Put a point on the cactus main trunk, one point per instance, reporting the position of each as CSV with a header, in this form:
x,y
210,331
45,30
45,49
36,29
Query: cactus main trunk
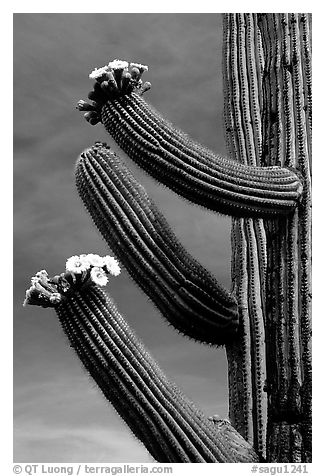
x,y
267,78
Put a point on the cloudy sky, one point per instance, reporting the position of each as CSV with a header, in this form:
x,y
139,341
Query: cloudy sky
x,y
59,414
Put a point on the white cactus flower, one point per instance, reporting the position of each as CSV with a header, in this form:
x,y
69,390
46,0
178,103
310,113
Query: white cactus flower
x,y
98,72
42,274
118,64
98,276
112,265
77,264
55,298
94,260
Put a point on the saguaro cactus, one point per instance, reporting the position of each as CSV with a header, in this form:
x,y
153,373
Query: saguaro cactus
x,y
264,321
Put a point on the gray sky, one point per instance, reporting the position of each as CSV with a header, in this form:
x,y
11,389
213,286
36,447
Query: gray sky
x,y
59,414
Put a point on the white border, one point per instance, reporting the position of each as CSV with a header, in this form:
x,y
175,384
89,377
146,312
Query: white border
x,y
6,33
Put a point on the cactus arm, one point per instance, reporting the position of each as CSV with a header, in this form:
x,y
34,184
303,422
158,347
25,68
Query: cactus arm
x,y
167,423
185,292
113,388
184,165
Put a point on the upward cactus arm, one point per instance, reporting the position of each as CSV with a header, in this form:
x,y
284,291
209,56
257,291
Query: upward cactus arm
x,y
184,165
167,423
185,292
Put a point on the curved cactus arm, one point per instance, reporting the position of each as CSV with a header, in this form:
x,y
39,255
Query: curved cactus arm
x,y
184,291
167,423
173,158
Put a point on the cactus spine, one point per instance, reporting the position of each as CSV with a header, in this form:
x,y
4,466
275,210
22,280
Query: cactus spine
x,y
166,422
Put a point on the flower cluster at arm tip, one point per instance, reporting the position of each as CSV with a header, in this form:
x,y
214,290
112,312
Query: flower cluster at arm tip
x,y
83,270
112,81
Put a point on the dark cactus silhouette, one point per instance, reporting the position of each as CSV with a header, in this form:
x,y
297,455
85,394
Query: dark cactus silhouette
x,y
265,321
